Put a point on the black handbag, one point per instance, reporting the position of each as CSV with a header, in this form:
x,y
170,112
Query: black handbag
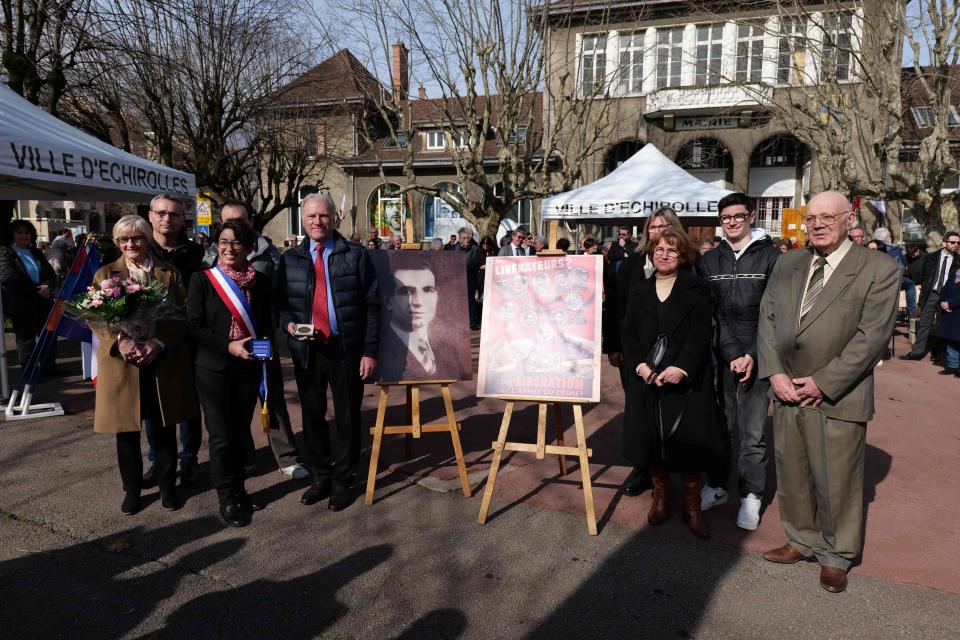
x,y
655,360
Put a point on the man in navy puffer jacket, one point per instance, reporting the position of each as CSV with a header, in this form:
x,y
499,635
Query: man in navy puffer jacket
x,y
331,284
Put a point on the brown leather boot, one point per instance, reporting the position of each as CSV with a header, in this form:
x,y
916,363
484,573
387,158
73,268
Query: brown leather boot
x,y
692,482
659,478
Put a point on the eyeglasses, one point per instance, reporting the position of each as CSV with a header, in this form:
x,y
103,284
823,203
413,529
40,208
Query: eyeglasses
x,y
739,217
951,242
131,240
660,251
229,244
166,214
657,227
825,218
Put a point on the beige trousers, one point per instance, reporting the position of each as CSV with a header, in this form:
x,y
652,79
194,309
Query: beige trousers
x,y
820,483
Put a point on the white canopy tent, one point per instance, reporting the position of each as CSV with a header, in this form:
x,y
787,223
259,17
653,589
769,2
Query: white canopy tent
x,y
645,182
44,158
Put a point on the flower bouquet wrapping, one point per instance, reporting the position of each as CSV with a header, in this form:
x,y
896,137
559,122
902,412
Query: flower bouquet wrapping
x,y
124,306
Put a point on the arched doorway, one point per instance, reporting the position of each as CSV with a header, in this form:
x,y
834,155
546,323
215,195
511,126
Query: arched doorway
x,y
620,153
776,169
708,159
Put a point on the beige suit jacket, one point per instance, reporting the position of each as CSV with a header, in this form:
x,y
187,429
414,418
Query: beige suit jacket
x,y
842,338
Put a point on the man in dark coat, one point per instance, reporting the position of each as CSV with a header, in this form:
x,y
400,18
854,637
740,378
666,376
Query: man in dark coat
x,y
936,268
330,285
738,271
171,245
264,259
474,260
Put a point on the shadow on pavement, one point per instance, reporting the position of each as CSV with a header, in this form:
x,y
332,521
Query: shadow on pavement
x,y
441,624
644,589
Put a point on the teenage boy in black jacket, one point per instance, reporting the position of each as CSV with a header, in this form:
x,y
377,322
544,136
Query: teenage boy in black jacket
x,y
738,270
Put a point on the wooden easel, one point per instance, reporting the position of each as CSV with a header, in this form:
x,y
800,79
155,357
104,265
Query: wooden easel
x,y
541,448
414,429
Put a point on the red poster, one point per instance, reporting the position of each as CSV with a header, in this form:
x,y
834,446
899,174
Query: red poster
x,y
540,339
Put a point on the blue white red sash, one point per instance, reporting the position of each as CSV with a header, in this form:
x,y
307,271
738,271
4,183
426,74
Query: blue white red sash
x,y
233,298
239,307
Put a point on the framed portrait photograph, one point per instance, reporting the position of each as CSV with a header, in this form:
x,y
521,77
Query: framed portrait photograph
x,y
424,325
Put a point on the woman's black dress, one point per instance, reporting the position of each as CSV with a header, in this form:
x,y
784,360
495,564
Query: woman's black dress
x,y
684,319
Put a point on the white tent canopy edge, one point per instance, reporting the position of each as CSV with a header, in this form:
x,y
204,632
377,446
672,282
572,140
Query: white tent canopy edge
x,y
44,158
647,181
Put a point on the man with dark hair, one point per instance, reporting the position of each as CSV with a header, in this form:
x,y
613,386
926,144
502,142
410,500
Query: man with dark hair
x,y
738,271
327,301
264,259
589,246
170,244
451,244
516,248
622,249
936,269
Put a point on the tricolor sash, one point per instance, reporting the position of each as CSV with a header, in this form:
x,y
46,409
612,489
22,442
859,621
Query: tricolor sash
x,y
239,307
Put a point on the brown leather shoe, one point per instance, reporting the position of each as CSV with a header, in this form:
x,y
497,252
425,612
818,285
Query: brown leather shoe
x,y
658,508
692,515
833,579
786,554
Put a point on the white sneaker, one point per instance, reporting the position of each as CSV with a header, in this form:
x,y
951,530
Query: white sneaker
x,y
295,471
749,515
712,497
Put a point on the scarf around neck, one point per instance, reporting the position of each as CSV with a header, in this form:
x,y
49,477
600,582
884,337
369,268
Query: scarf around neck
x,y
244,280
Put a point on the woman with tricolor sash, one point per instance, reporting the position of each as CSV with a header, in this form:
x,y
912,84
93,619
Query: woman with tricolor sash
x,y
228,311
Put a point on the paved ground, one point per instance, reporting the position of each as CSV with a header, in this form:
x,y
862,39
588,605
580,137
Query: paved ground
x,y
417,565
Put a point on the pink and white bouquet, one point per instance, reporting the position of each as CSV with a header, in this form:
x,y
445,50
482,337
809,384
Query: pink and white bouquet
x,y
122,306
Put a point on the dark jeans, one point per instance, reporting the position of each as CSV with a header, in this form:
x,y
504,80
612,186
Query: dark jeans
x,y
130,460
282,441
910,287
745,407
191,435
332,451
928,319
228,399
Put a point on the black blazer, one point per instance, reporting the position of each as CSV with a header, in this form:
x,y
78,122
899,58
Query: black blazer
x,y
929,265
20,291
209,320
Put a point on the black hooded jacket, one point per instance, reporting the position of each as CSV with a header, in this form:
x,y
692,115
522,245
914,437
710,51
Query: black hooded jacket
x,y
737,286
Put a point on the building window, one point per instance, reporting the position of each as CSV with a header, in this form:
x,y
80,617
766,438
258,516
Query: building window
x,y
669,57
704,153
521,212
294,224
631,63
709,53
316,138
779,151
792,53
593,64
460,138
434,140
440,220
838,45
386,212
401,141
770,214
621,152
519,135
750,51
926,117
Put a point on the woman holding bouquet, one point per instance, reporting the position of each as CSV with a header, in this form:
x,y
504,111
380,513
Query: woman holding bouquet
x,y
228,307
143,374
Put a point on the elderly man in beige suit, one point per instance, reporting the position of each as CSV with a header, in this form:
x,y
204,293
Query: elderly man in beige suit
x,y
825,320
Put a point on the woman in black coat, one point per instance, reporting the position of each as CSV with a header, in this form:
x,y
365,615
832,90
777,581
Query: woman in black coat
x,y
29,283
228,376
671,416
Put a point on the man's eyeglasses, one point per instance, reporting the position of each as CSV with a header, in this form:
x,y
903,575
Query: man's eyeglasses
x,y
951,242
131,240
166,214
739,217
826,218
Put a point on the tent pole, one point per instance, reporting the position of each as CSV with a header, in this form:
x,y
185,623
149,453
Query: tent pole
x,y
4,374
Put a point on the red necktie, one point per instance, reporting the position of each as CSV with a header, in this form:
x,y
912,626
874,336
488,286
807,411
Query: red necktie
x,y
321,315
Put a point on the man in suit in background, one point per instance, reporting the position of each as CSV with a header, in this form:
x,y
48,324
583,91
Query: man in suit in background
x,y
825,319
516,248
936,269
408,351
